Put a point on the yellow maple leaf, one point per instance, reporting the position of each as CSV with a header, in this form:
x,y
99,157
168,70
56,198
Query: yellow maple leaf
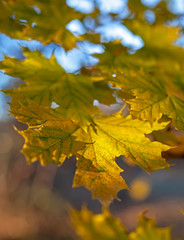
x,y
52,138
112,137
52,142
49,137
105,226
99,226
147,229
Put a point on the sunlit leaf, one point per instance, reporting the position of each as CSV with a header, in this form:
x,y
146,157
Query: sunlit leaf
x,y
159,9
46,20
105,226
153,75
99,227
8,24
113,137
147,229
119,135
49,137
149,80
47,82
102,178
52,142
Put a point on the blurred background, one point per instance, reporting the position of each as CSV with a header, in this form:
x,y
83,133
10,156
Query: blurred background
x,y
35,200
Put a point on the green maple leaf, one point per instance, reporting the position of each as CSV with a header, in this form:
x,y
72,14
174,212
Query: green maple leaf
x,y
47,82
47,24
155,86
138,10
8,24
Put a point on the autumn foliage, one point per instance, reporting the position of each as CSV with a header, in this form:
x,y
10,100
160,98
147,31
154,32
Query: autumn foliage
x,y
137,92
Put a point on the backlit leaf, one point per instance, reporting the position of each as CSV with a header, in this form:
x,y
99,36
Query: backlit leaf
x,y
7,22
105,226
150,81
49,137
147,229
52,142
46,20
113,137
153,75
158,9
99,227
117,135
47,82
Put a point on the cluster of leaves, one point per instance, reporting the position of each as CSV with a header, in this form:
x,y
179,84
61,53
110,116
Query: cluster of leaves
x,y
150,82
105,226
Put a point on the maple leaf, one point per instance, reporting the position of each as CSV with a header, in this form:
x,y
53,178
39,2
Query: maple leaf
x,y
117,135
160,10
99,226
8,24
32,114
52,142
47,82
156,87
151,82
46,20
147,229
112,137
105,226
49,137
102,179
154,37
